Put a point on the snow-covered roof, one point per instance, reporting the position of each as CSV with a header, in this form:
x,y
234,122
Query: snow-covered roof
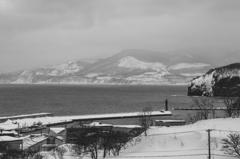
x,y
126,126
8,125
33,140
9,138
57,130
170,121
99,124
9,132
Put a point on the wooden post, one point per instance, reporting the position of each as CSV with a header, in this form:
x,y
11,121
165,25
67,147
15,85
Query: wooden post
x,y
166,105
18,130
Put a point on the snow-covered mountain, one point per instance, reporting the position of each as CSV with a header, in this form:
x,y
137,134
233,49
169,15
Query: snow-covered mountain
x,y
43,74
216,80
132,66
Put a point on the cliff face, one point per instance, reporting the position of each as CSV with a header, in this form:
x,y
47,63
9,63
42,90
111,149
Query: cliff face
x,y
217,82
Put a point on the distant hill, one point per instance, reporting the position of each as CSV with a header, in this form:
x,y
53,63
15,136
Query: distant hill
x,y
130,66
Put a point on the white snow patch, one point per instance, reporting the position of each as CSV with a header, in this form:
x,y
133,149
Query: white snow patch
x,y
91,75
207,80
191,74
188,65
131,62
66,68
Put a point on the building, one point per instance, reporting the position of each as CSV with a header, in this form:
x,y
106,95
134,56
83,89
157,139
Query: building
x,y
43,142
169,122
58,132
71,132
12,142
11,133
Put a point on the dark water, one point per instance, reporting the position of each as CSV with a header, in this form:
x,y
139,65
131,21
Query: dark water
x,y
87,99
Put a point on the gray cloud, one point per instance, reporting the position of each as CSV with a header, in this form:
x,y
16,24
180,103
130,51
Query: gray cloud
x,y
47,32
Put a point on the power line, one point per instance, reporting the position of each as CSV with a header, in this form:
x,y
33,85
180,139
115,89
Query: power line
x,y
226,155
225,130
166,151
183,132
160,156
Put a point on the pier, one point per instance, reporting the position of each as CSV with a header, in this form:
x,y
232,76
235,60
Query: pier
x,y
48,120
3,119
122,115
192,109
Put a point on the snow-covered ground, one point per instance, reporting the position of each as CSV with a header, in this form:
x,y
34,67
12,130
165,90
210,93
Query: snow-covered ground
x,y
180,142
184,142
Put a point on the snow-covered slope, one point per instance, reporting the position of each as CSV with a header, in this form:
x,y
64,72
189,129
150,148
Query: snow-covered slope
x,y
66,68
131,62
211,83
183,142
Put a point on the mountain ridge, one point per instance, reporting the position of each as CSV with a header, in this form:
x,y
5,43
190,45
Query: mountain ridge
x,y
129,66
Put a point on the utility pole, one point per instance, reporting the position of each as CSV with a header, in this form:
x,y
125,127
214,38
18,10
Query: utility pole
x,y
209,143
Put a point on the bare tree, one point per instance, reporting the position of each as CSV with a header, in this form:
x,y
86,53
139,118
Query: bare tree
x,y
3,147
92,140
38,156
59,152
230,96
145,119
30,153
88,141
78,150
232,105
7,152
231,145
117,141
194,117
204,105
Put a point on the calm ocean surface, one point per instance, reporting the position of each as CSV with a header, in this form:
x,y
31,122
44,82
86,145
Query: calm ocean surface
x,y
87,99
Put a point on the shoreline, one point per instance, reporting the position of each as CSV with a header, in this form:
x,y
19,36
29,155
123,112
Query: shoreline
x,y
97,84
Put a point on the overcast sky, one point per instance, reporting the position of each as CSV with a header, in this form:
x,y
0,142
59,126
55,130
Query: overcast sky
x,y
43,32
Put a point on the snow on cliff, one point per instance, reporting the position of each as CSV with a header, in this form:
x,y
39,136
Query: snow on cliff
x,y
216,79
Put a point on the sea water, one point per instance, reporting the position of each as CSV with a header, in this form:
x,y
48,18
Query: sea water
x,y
88,99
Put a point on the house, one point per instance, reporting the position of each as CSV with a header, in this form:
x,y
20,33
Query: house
x,y
71,132
42,142
127,128
11,133
58,132
12,142
169,122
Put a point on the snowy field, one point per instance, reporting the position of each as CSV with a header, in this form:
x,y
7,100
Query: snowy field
x,y
180,142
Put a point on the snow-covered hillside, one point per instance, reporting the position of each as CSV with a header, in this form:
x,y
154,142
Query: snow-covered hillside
x,y
66,68
131,62
184,142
